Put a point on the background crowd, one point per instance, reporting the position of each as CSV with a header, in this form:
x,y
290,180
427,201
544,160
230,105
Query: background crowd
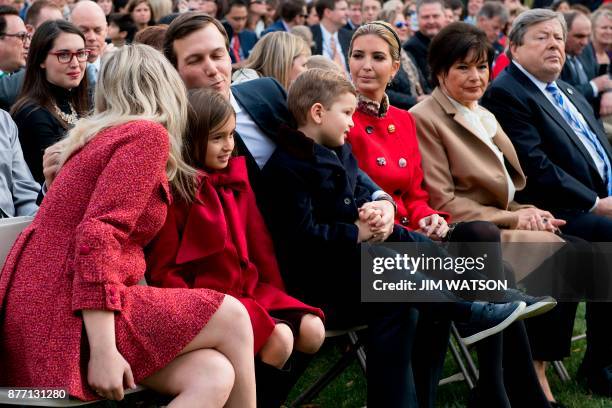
x,y
477,121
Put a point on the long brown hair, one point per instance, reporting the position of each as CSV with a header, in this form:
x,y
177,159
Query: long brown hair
x,y
209,111
36,89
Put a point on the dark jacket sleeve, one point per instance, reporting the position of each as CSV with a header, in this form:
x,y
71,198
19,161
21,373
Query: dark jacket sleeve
x,y
10,86
399,91
38,129
515,117
290,215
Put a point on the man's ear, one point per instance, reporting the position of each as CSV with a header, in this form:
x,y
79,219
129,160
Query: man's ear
x,y
29,28
317,111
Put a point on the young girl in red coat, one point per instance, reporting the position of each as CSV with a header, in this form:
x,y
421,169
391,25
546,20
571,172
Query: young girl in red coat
x,y
219,241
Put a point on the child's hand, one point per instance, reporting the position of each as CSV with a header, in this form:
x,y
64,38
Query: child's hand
x,y
365,233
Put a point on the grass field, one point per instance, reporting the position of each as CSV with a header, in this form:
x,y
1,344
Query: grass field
x,y
349,390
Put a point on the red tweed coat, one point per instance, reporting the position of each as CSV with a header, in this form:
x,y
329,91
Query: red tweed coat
x,y
84,250
221,242
387,149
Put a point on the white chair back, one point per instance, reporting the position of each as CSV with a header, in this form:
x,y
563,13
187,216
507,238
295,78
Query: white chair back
x,y
9,231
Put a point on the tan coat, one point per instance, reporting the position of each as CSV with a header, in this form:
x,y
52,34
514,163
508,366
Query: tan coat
x,y
463,175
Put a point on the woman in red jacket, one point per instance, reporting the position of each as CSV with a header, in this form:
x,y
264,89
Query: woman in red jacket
x,y
219,241
385,144
72,312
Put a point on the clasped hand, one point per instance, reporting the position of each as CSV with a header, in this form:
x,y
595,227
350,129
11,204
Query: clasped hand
x,y
375,222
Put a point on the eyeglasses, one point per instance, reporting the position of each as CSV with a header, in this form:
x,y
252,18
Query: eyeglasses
x,y
64,57
23,36
401,24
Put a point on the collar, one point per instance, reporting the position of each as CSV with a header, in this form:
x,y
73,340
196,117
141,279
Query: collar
x,y
234,103
326,34
299,145
287,28
373,108
541,85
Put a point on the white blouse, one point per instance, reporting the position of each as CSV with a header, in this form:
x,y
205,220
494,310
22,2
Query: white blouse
x,y
485,125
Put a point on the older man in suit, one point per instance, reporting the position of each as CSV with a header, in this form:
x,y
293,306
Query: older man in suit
x,y
566,157
580,68
18,190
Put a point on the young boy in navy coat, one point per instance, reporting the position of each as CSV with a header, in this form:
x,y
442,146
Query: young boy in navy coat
x,y
317,211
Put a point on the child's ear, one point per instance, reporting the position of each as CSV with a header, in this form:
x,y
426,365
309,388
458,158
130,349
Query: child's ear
x,y
316,113
123,34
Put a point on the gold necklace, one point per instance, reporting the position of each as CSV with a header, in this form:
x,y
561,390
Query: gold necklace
x,y
70,118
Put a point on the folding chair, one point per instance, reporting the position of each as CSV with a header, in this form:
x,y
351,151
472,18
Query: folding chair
x,y
134,395
559,367
463,358
355,350
10,228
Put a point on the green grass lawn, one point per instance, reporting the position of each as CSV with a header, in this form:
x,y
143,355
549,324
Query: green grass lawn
x,y
349,390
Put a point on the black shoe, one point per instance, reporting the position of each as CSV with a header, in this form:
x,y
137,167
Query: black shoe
x,y
598,381
555,404
535,305
488,319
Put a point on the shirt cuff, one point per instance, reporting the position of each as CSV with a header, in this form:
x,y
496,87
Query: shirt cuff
x,y
595,205
595,90
378,194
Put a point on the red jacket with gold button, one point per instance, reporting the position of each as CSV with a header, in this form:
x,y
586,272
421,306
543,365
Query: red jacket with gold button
x,y
387,150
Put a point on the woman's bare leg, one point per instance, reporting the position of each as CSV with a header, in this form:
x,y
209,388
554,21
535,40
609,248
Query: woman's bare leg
x,y
201,378
311,335
230,333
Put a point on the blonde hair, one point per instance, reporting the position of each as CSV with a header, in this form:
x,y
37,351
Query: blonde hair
x,y
160,8
383,30
136,82
273,55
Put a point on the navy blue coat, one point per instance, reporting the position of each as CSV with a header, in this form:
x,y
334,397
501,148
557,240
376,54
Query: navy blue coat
x,y
561,175
247,41
276,26
310,196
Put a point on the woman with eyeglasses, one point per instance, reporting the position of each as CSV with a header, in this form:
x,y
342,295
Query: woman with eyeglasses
x,y
406,89
54,93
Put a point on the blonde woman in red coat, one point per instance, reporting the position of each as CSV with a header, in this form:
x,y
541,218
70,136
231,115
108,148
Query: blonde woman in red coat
x,y
72,312
220,241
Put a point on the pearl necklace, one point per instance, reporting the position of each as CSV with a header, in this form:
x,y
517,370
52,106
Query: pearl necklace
x,y
71,118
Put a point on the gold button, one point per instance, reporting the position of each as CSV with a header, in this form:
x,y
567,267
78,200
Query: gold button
x,y
391,128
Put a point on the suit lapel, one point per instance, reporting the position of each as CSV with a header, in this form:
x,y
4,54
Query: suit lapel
x,y
551,111
585,111
500,140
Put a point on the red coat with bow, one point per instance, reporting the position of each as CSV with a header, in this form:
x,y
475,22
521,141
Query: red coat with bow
x,y
386,148
220,242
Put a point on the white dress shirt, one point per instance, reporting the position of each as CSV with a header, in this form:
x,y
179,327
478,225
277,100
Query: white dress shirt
x,y
327,50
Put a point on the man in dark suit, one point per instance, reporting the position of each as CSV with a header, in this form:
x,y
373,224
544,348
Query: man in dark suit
x,y
198,47
242,40
566,157
292,13
580,68
431,19
355,17
492,18
329,36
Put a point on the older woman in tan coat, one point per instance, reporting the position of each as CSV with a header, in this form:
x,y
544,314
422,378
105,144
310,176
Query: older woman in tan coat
x,y
471,170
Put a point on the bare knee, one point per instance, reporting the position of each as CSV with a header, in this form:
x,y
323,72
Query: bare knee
x,y
236,321
279,346
311,334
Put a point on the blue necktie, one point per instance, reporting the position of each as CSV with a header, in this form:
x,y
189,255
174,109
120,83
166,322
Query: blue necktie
x,y
585,131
